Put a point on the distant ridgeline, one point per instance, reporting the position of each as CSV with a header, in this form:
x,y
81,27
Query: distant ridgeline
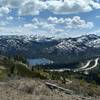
x,y
64,50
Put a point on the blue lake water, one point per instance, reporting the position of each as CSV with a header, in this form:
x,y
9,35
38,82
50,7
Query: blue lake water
x,y
40,61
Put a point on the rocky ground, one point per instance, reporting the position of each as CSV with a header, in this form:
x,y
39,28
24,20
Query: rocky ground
x,y
33,89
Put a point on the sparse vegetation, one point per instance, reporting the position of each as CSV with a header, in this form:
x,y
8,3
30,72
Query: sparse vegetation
x,y
81,83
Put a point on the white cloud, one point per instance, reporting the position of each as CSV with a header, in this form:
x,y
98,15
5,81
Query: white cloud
x,y
69,6
39,24
9,18
75,22
31,7
34,7
4,11
55,20
3,23
96,32
11,3
97,16
56,31
30,26
15,31
54,25
95,5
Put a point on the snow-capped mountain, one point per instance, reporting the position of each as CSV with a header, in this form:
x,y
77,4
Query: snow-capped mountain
x,y
81,43
59,50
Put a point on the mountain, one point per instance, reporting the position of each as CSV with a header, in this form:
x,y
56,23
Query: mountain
x,y
64,50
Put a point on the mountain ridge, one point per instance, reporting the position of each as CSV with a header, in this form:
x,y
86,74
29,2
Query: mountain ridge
x,y
59,50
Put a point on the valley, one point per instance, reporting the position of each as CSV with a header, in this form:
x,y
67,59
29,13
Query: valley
x,y
49,49
58,50
59,69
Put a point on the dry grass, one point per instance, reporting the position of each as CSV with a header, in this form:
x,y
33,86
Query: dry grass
x,y
28,89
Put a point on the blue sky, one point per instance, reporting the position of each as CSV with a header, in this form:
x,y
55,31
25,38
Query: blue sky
x,y
61,18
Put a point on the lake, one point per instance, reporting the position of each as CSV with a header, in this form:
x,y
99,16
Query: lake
x,y
40,61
